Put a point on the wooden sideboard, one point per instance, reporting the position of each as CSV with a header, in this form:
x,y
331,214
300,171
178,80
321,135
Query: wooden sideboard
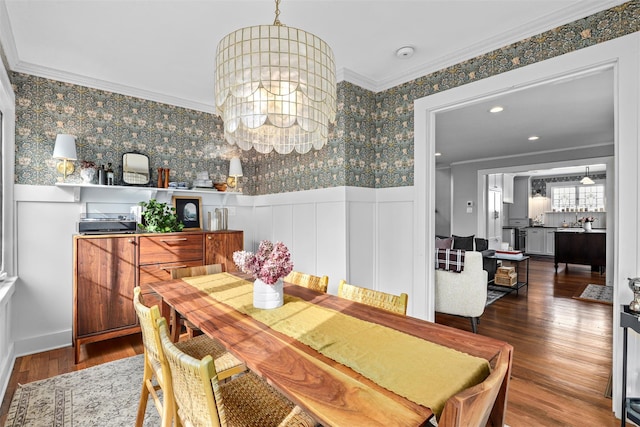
x,y
108,267
588,248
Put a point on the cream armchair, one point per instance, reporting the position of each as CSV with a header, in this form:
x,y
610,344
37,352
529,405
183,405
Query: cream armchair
x,y
463,294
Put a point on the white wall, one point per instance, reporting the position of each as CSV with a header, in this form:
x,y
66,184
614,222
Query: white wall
x,y
443,202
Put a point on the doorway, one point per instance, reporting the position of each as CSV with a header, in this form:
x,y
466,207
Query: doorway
x,y
621,54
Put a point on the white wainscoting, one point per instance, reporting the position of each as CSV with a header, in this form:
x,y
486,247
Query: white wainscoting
x,y
7,358
364,236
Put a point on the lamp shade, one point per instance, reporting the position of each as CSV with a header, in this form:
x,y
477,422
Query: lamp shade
x,y
586,180
235,167
65,147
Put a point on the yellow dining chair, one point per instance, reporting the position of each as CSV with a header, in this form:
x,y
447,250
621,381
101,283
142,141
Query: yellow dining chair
x,y
393,303
310,281
474,406
246,400
155,366
199,270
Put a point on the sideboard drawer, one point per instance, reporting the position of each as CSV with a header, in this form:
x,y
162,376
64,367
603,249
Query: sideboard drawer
x,y
173,247
162,271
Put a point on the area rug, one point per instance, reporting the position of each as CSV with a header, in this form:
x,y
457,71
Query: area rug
x,y
494,295
596,293
103,395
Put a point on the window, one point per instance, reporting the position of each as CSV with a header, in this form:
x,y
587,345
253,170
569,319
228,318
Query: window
x,y
578,198
563,198
591,198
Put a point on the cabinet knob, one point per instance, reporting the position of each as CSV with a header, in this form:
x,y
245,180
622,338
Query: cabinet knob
x,y
132,240
209,237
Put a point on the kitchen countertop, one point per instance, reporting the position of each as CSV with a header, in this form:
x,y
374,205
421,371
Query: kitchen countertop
x,y
580,230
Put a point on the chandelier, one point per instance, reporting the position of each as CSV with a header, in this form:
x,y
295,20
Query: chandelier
x,y
275,88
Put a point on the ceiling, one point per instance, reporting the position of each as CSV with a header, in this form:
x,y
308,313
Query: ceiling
x,y
573,113
163,50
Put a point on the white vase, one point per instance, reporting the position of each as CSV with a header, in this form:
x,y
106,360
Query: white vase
x,y
87,175
268,296
586,226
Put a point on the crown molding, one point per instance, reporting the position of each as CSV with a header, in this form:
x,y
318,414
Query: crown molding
x,y
531,153
77,79
344,74
547,22
7,42
567,15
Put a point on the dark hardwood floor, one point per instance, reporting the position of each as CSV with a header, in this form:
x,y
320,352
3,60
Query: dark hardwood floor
x,y
562,356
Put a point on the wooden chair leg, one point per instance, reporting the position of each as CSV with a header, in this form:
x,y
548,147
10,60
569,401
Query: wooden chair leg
x,y
144,395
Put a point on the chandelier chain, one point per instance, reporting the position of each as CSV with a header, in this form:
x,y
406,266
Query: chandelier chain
x,y
277,20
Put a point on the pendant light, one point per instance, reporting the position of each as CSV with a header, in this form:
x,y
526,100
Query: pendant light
x,y
586,180
275,88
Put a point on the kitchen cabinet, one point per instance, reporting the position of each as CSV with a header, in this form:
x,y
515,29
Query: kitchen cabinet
x,y
220,246
540,241
581,248
104,278
507,188
520,207
536,241
108,267
549,241
494,218
494,181
502,182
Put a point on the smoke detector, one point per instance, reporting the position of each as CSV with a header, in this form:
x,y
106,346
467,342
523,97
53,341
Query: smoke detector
x,y
405,52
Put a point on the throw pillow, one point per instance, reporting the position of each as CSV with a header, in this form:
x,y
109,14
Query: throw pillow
x,y
481,244
465,243
450,260
444,243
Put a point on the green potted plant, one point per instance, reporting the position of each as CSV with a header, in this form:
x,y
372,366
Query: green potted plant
x,y
158,217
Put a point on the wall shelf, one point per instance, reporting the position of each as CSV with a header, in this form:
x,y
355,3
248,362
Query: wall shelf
x,y
76,189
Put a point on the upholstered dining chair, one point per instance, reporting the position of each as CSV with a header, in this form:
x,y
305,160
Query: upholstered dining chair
x,y
156,367
310,281
246,400
393,303
474,406
198,270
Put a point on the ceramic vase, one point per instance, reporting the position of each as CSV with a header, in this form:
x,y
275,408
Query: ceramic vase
x,y
87,175
586,226
267,296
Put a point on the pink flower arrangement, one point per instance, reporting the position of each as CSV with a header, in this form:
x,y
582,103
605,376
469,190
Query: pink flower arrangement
x,y
586,219
270,263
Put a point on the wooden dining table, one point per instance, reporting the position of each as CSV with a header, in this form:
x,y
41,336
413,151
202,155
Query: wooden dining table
x,y
331,392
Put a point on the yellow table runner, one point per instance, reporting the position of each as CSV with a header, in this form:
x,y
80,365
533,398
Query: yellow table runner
x,y
421,371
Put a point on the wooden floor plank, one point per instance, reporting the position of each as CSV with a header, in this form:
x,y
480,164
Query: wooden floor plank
x,y
561,364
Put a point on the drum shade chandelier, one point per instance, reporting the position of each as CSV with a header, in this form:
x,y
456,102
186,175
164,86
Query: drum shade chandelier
x,y
275,88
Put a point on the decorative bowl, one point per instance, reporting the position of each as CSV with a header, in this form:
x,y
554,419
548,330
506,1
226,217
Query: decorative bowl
x,y
220,186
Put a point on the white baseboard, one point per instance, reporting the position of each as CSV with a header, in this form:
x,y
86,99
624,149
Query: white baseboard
x,y
43,343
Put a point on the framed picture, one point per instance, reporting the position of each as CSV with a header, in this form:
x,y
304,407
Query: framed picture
x,y
189,211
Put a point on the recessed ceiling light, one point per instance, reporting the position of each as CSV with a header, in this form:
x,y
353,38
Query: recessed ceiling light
x,y
533,138
496,109
438,154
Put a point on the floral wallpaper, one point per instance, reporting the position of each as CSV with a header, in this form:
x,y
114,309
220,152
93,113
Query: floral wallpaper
x,y
371,144
540,184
